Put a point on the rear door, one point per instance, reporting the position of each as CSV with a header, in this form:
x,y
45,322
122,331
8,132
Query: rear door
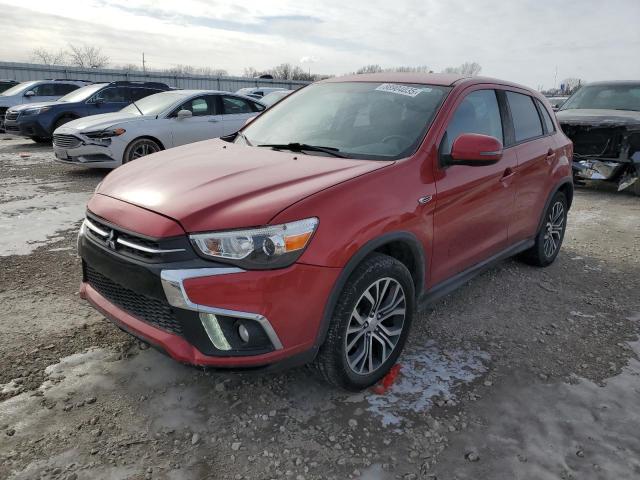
x,y
236,111
474,204
205,123
536,153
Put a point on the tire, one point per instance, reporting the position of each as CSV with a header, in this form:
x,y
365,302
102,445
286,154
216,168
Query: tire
x,y
549,238
61,121
635,188
42,140
351,335
140,147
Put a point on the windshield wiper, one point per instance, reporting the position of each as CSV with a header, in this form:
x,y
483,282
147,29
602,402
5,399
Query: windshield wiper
x,y
299,147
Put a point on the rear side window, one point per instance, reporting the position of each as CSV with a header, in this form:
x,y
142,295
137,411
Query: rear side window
x,y
478,113
548,123
233,105
526,121
64,88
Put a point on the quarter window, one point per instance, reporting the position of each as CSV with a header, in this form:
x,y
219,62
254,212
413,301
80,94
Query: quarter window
x,y
549,127
478,113
526,121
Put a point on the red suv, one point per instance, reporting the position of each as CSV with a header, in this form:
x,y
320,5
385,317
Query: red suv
x,y
316,232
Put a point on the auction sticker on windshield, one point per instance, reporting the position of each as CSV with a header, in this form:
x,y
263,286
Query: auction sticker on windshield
x,y
401,89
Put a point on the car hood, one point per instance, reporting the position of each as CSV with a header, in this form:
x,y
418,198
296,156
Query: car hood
x,y
596,117
216,185
100,122
25,106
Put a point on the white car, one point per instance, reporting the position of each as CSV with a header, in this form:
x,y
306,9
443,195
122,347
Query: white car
x,y
258,92
154,123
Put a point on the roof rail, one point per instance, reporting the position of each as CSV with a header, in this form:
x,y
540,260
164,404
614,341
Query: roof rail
x,y
134,83
67,80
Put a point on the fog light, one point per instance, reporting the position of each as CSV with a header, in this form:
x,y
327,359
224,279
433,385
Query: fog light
x,y
243,333
212,327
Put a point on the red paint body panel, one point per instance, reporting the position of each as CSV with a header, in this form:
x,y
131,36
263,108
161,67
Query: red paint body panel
x,y
216,185
292,299
133,218
460,215
174,345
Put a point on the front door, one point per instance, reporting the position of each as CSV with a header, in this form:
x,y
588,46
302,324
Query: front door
x,y
473,204
203,124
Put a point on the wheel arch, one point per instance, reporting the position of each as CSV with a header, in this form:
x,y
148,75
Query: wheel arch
x,y
566,187
403,246
148,137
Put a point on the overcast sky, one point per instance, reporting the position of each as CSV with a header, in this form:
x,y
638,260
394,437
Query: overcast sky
x,y
518,40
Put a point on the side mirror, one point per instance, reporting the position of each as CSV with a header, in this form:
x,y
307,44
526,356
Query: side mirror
x,y
182,114
249,120
475,150
29,93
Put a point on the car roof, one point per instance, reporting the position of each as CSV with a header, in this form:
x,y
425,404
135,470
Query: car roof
x,y
616,82
439,79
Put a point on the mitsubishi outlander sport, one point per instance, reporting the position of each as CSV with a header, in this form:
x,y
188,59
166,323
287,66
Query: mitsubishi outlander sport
x,y
315,233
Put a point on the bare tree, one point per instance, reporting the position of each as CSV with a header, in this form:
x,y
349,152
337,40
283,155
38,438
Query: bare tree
x,y
87,56
467,68
369,69
571,84
48,57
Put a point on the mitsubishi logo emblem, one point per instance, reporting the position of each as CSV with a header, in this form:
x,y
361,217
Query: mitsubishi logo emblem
x,y
111,240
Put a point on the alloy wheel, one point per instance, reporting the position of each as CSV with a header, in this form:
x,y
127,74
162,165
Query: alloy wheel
x,y
375,326
142,149
554,229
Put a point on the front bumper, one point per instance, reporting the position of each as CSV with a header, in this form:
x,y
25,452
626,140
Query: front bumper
x,y
75,150
25,127
185,305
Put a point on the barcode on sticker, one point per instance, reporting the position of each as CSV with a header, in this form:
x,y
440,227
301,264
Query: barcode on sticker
x,y
401,89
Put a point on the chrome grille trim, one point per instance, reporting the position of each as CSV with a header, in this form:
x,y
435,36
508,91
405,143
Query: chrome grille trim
x,y
66,141
142,248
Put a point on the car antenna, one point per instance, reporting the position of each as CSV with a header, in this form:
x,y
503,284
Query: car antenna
x,y
135,105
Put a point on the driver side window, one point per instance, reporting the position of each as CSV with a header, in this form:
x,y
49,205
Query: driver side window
x,y
478,113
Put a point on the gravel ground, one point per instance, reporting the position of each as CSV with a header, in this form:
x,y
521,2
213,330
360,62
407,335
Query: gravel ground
x,y
523,373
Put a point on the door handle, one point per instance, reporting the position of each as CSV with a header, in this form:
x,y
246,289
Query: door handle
x,y
551,156
213,120
507,177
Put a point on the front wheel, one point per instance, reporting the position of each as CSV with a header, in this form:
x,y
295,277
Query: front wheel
x,y
370,324
42,140
551,233
140,147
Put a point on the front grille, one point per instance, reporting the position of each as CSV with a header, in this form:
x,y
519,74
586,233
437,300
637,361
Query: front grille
x,y
11,115
149,309
124,236
66,141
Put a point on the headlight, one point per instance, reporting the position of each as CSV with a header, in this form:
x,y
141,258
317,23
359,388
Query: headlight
x,y
35,110
114,132
261,248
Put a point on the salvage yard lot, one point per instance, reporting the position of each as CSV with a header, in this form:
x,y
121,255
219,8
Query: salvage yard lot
x,y
523,373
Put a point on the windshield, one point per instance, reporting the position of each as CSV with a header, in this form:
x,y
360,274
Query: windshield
x,y
82,93
360,119
273,97
154,104
21,87
614,97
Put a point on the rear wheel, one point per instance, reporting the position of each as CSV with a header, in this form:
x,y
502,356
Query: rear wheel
x,y
549,238
370,324
140,147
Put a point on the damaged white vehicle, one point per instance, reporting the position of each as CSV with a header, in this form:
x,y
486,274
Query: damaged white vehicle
x,y
154,123
603,121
